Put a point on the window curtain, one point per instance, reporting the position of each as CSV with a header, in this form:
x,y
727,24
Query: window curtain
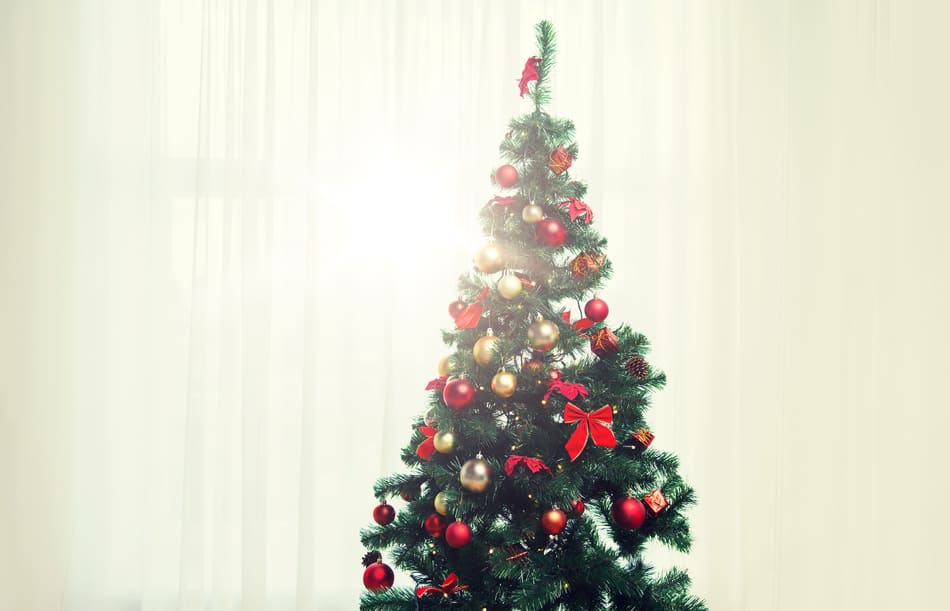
x,y
229,230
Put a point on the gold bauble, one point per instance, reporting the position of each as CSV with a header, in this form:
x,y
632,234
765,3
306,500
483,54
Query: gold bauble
x,y
440,504
504,384
488,260
484,349
475,474
543,335
532,213
444,441
443,367
509,286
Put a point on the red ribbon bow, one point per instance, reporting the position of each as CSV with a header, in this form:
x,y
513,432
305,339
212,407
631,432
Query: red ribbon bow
x,y
472,313
501,201
437,383
427,448
580,325
570,390
595,424
578,208
534,464
530,73
449,586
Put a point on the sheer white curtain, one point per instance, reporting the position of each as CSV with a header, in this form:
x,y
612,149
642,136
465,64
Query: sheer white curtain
x,y
229,231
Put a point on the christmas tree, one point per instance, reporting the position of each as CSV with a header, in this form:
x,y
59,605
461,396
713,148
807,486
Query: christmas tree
x,y
532,483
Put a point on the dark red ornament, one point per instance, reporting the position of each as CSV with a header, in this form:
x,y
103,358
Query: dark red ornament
x,y
559,160
384,513
378,576
578,506
603,342
553,521
551,231
506,176
596,309
655,502
628,513
409,494
458,534
458,393
435,525
456,308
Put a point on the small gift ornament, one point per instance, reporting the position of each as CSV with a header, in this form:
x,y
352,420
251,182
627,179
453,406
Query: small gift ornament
x,y
603,342
584,264
655,502
559,160
641,438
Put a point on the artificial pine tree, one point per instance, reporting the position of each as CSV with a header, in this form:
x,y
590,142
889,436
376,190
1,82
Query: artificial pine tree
x,y
532,483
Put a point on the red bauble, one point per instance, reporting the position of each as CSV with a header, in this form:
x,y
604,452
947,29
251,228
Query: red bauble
x,y
384,513
578,506
458,393
458,534
553,521
596,309
456,308
435,525
506,176
628,513
378,576
551,231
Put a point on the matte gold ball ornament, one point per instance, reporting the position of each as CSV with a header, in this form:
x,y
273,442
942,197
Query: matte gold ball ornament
x,y
485,348
509,286
443,367
476,474
532,213
543,335
488,259
444,442
504,384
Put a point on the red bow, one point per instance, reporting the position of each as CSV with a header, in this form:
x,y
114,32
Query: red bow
x,y
530,73
580,325
437,383
534,464
449,586
501,201
578,208
571,390
594,423
427,448
472,313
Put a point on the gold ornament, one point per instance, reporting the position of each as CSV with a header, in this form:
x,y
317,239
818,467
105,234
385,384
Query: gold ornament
x,y
443,367
509,286
532,213
444,442
543,334
504,384
475,474
440,504
484,349
488,260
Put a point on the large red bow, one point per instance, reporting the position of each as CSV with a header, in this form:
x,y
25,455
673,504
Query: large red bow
x,y
449,586
571,390
594,423
472,313
530,73
427,448
576,208
534,464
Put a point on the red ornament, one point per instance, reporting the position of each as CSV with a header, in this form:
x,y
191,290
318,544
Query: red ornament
x,y
553,521
456,308
384,513
593,425
426,449
655,502
554,375
642,438
458,534
586,263
535,465
449,586
551,231
603,343
576,209
596,309
506,176
559,160
378,576
409,494
435,525
578,506
469,317
528,73
458,393
628,513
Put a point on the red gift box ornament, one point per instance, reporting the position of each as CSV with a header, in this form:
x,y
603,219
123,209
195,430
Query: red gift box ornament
x,y
593,425
655,502
603,342
559,160
584,264
449,586
643,438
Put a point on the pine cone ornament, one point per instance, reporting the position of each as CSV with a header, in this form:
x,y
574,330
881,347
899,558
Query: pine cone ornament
x,y
637,367
371,557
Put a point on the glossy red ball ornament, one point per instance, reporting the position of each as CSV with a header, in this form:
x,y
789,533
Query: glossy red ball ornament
x,y
578,506
458,534
458,393
456,308
378,576
628,513
506,176
384,514
435,525
553,521
596,309
551,231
